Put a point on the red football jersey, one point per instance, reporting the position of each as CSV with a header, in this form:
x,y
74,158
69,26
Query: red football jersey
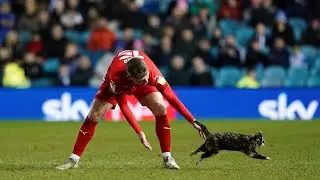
x,y
117,78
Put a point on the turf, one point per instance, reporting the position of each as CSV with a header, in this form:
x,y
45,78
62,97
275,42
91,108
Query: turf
x,y
31,150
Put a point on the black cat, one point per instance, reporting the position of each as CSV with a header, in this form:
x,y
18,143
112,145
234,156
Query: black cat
x,y
215,142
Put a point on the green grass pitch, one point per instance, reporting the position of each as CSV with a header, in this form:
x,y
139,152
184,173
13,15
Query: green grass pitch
x,y
31,150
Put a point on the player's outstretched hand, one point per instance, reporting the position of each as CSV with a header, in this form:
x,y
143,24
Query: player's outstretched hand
x,y
196,126
144,141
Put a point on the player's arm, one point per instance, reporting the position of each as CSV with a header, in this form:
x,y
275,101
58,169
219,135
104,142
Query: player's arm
x,y
127,113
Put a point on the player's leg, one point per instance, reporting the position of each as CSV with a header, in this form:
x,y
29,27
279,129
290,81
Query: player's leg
x,y
150,97
103,102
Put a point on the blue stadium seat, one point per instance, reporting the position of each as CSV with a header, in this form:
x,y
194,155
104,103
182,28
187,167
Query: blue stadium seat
x,y
295,82
72,36
228,26
228,76
244,35
298,25
314,81
164,71
51,65
84,37
44,82
214,73
310,52
214,51
277,72
95,56
24,36
298,73
271,82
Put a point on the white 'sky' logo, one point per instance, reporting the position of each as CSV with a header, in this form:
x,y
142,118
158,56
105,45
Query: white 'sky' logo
x,y
65,109
280,109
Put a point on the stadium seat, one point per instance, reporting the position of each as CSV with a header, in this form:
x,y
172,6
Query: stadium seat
x,y
244,35
314,81
51,65
214,51
24,36
295,82
228,26
72,36
84,37
271,82
275,72
298,73
164,71
44,82
214,73
95,56
228,76
298,25
310,52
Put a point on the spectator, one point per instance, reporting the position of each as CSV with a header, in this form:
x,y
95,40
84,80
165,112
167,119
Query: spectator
x,y
185,45
255,56
217,37
230,9
229,54
83,72
7,19
199,28
58,10
297,58
178,19
71,57
279,54
300,8
100,69
44,25
93,16
72,20
153,27
178,76
262,12
197,5
147,43
32,66
64,76
5,57
12,42
14,76
35,45
260,35
200,75
126,42
162,53
249,80
203,51
282,30
169,31
56,45
29,20
311,36
101,38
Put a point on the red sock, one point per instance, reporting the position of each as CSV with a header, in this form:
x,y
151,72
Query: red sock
x,y
85,135
163,132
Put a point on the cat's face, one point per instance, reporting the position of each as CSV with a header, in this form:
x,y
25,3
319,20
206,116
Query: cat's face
x,y
258,138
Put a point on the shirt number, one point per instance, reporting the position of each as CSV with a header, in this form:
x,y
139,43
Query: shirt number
x,y
126,55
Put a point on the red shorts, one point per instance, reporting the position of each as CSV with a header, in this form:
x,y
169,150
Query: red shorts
x,y
104,94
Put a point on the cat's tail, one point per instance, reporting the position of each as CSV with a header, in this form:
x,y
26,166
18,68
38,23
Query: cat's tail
x,y
204,128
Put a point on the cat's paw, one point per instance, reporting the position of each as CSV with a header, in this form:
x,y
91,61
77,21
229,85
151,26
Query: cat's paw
x,y
267,158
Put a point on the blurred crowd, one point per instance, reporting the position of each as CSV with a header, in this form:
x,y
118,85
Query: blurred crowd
x,y
220,43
